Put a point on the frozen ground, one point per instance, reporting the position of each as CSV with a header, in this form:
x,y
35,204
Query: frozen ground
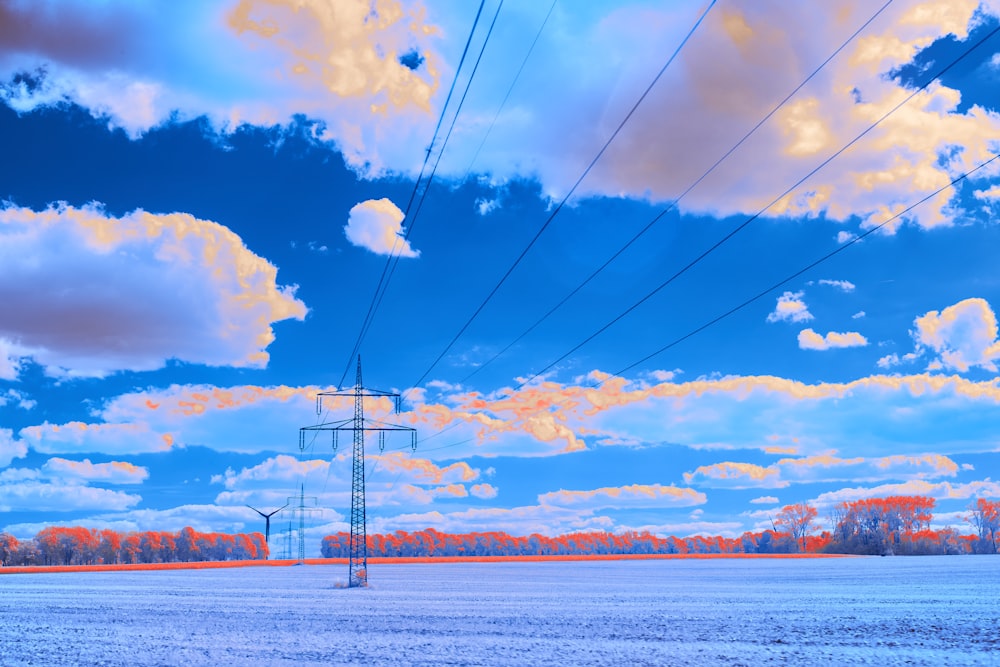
x,y
877,611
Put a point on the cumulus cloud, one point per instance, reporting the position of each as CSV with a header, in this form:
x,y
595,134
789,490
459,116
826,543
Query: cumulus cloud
x,y
633,495
962,336
344,67
810,340
375,225
10,448
258,62
764,500
483,490
51,490
113,472
821,468
890,360
736,475
79,437
523,520
843,285
938,490
790,308
131,292
18,398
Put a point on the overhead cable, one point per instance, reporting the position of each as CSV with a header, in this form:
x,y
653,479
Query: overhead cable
x,y
759,213
569,194
673,204
382,279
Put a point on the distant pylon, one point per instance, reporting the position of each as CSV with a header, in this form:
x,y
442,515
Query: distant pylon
x,y
357,568
302,509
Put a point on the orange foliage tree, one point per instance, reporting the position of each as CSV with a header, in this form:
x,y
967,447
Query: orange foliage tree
x,y
76,545
796,520
985,517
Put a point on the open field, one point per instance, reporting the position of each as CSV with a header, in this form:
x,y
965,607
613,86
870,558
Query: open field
x,y
208,565
879,611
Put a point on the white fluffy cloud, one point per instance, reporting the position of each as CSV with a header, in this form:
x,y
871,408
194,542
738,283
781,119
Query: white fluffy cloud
x,y
843,285
49,490
821,468
113,472
129,293
258,62
375,225
962,336
633,495
938,490
790,308
340,64
10,448
810,340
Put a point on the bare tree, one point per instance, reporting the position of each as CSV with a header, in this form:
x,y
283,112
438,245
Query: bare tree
x,y
985,517
796,520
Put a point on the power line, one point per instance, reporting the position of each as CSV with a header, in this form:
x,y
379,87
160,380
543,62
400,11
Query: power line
x,y
677,201
382,279
569,194
427,185
759,213
513,83
798,273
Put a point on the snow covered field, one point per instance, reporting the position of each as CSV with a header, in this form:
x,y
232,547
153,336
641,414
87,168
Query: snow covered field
x,y
878,611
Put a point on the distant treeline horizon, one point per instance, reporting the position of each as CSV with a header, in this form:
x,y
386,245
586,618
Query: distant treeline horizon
x,y
872,526
75,545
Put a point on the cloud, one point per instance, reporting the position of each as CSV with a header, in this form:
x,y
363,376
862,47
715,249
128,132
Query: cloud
x,y
340,66
810,340
79,437
821,468
258,62
375,225
938,490
44,491
843,285
990,194
524,520
858,315
790,308
129,293
963,335
113,472
14,396
634,495
484,491
736,476
10,360
765,500
424,471
10,448
890,360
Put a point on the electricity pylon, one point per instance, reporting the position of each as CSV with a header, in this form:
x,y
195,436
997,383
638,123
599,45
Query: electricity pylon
x,y
357,565
302,509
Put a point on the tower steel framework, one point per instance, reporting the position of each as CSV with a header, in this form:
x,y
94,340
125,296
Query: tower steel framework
x,y
358,547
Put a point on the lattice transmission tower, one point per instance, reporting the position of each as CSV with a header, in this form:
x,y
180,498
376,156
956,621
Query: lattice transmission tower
x,y
357,574
306,505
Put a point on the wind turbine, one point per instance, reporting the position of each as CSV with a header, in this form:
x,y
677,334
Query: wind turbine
x,y
267,524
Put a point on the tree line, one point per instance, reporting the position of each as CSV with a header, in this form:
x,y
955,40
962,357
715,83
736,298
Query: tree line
x,y
85,546
893,525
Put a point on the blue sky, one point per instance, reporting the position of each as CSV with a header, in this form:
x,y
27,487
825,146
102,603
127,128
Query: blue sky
x,y
200,199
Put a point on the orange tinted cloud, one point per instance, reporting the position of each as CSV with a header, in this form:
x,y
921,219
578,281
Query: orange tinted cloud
x,y
424,471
